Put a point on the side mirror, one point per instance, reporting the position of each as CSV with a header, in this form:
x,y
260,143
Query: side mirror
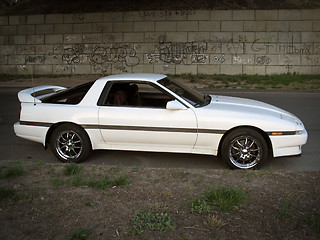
x,y
175,105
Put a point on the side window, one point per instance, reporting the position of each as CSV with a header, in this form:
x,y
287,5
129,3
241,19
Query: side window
x,y
70,96
137,94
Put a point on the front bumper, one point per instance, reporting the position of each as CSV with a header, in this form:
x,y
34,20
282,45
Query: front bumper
x,y
289,145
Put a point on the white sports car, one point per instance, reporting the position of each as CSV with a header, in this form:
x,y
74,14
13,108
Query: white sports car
x,y
150,112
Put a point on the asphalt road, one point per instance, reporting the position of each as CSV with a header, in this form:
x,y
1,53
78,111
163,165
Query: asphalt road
x,y
305,105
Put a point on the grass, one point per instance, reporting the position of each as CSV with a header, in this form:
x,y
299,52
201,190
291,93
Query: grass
x,y
285,211
281,81
313,220
225,198
12,171
145,220
213,222
72,169
103,183
200,206
172,210
76,179
6,194
79,234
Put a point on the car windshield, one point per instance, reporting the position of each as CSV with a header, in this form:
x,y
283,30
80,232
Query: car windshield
x,y
192,96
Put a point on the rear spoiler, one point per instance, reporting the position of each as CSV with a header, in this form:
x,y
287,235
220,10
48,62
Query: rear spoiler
x,y
34,95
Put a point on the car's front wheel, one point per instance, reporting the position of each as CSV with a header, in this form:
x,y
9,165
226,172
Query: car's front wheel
x,y
70,143
244,149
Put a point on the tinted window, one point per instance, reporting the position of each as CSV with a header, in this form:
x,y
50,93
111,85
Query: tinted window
x,y
69,96
136,94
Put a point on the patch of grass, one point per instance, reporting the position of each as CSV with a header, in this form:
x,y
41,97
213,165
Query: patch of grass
x,y
79,234
6,194
285,211
313,221
105,182
89,204
12,171
213,222
182,175
144,220
159,207
225,198
72,169
285,81
78,181
57,182
115,168
99,183
200,206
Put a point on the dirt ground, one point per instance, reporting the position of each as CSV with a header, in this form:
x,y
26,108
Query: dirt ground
x,y
47,204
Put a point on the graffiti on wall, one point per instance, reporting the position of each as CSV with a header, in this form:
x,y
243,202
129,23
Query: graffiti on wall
x,y
179,53
103,56
239,50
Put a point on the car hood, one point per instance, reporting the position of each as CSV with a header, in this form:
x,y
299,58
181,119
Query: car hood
x,y
249,104
242,108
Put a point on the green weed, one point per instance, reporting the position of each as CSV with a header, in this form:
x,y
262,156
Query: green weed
x,y
313,221
104,183
213,222
77,181
90,204
72,169
225,198
57,182
144,220
79,234
200,206
182,175
285,211
120,181
6,194
13,171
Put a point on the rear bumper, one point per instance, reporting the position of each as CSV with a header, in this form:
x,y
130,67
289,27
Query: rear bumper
x,y
32,133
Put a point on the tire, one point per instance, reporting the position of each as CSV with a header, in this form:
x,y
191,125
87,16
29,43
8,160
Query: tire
x,y
70,143
244,149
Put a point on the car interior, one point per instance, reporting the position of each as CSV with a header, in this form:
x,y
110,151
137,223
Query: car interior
x,y
137,94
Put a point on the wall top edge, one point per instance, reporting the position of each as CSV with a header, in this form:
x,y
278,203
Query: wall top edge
x,y
277,14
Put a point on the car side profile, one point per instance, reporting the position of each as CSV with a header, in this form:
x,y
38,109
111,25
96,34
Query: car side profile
x,y
151,112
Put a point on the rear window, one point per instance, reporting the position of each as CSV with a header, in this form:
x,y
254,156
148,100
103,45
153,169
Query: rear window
x,y
69,96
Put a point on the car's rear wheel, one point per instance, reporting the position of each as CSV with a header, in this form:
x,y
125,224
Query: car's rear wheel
x,y
244,149
70,143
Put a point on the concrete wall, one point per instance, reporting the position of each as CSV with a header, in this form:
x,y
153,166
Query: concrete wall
x,y
170,42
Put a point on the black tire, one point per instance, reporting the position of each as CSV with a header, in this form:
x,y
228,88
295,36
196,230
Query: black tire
x,y
244,149
70,143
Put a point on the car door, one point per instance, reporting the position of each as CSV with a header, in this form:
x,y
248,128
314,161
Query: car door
x,y
145,123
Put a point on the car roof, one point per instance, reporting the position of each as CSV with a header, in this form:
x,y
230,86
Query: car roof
x,y
153,77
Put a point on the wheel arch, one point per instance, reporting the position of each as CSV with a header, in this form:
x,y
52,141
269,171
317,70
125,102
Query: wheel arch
x,y
263,133
56,125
